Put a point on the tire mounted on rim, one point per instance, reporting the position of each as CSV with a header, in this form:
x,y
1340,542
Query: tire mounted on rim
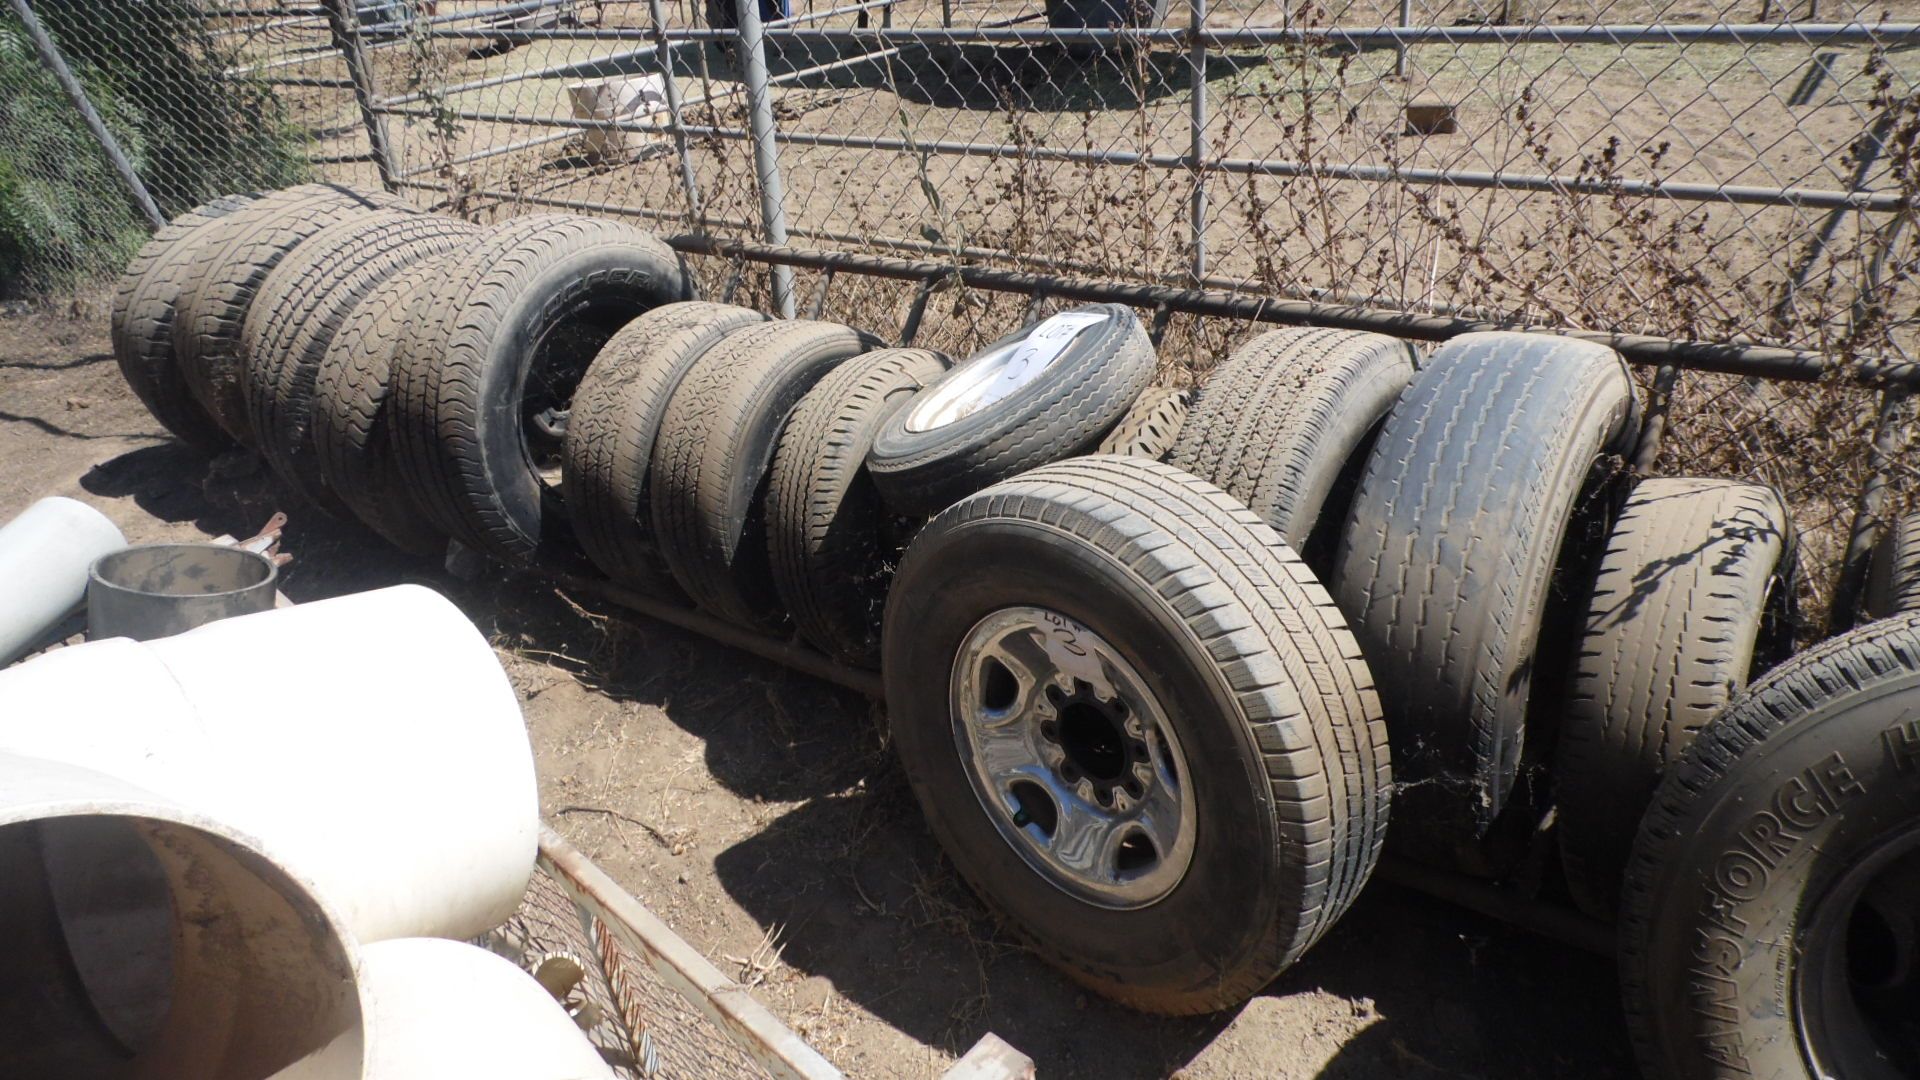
x,y
1156,750
1046,393
1771,913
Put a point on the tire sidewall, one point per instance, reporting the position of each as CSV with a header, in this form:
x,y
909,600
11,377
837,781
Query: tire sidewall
x,y
1234,892
898,449
605,273
1720,944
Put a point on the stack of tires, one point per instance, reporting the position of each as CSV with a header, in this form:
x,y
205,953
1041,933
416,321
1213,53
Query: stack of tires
x,y
1143,653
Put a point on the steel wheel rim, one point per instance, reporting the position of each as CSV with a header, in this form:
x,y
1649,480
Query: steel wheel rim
x,y
1859,977
1072,758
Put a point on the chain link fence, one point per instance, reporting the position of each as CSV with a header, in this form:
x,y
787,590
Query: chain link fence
x,y
1723,190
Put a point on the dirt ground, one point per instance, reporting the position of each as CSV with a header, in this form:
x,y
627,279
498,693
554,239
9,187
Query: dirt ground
x,y
761,814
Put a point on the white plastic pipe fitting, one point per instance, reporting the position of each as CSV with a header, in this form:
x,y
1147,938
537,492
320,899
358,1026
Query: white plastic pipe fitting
x,y
444,1010
44,556
221,963
371,740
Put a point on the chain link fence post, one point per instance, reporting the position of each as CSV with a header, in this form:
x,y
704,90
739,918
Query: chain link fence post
x,y
343,24
1197,119
752,37
50,55
671,87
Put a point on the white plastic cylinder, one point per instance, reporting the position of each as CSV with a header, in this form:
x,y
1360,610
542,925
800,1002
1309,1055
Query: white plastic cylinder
x,y
372,740
444,1010
214,960
44,555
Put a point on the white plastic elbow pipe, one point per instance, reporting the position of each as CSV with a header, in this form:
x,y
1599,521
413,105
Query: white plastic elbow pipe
x,y
214,960
445,1010
371,740
44,555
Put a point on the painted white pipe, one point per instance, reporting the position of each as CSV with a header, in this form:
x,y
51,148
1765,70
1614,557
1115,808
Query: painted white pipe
x,y
372,740
254,968
44,555
445,1010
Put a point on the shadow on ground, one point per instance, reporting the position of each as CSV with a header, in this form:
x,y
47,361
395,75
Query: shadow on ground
x,y
856,888
867,901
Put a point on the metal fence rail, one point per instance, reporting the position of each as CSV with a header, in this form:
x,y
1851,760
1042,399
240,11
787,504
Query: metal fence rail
x,y
1723,194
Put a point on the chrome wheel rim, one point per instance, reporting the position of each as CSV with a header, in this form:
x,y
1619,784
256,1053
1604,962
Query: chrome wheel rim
x,y
1072,758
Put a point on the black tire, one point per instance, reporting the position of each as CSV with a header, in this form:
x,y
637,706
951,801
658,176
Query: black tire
x,y
1102,15
1694,597
241,250
1064,411
1151,427
1750,942
1447,565
500,344
301,306
146,302
827,535
713,452
1285,425
1263,688
1893,580
352,417
610,435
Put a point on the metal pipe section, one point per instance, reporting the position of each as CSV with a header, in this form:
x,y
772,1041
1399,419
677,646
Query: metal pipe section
x,y
1246,299
1197,148
775,649
766,156
1811,34
1766,361
1680,191
524,7
1889,437
110,146
343,23
1851,33
571,69
688,181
